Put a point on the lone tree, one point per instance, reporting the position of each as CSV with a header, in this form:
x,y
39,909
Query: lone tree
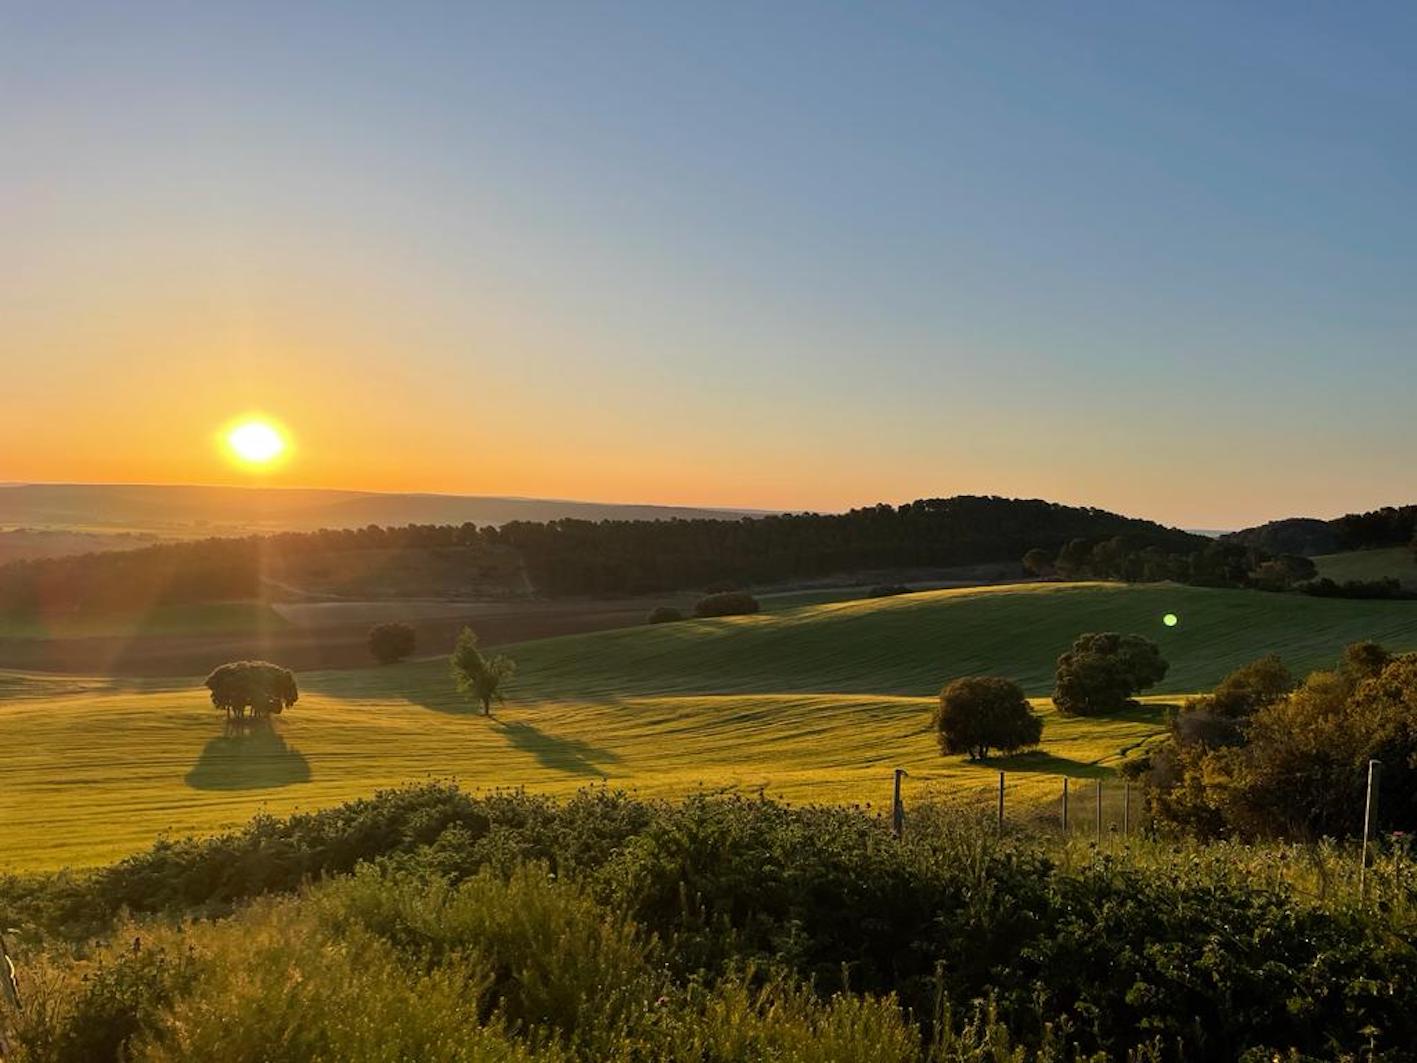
x,y
265,689
391,642
980,713
480,678
1102,672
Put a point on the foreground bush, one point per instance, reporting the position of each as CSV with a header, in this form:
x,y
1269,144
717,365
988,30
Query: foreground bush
x,y
1259,760
406,967
717,928
726,603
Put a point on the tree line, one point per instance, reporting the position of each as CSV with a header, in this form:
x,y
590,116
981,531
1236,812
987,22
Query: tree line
x,y
573,557
615,557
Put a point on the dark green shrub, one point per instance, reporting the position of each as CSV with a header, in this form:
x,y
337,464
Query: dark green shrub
x,y
726,603
887,590
665,614
392,642
1102,671
979,713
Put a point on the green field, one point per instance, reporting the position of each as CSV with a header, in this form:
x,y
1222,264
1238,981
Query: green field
x,y
1396,561
815,703
214,617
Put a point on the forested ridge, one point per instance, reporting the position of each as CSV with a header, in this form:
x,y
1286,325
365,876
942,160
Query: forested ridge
x,y
571,556
1371,530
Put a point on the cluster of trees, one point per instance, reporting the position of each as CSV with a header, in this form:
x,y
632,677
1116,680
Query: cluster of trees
x,y
1266,756
1216,563
1100,674
259,688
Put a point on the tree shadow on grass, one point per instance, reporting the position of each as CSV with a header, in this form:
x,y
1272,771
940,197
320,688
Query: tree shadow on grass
x,y
256,757
1038,762
569,755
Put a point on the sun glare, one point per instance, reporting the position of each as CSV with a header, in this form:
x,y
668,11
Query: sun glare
x,y
255,442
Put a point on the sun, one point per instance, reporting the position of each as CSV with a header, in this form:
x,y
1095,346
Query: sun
x,y
255,442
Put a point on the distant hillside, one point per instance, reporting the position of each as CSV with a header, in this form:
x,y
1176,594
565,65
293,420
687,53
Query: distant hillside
x,y
96,514
1375,529
1307,536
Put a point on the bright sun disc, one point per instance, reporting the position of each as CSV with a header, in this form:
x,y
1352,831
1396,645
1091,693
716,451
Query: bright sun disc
x,y
255,441
1170,619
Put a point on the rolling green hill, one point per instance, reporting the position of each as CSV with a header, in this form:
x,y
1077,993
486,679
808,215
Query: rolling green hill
x,y
1394,561
814,703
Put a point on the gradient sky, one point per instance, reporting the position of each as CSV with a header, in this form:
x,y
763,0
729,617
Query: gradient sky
x,y
1154,257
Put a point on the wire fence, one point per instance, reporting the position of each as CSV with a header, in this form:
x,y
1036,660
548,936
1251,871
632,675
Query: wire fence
x,y
1071,806
1093,808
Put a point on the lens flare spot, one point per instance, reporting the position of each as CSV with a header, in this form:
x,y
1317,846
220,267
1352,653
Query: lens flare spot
x,y
1170,619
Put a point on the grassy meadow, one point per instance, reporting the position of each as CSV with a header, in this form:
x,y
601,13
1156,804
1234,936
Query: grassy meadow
x,y
814,703
1395,562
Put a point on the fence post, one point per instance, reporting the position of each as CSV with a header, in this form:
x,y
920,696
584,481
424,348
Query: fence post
x,y
897,807
1099,811
1370,819
1065,806
9,985
1001,802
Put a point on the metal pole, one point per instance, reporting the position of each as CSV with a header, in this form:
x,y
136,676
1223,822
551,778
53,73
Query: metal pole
x,y
1370,820
1001,802
1099,811
1065,805
897,807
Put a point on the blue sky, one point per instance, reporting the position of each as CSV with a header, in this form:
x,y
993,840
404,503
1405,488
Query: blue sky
x,y
1158,258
